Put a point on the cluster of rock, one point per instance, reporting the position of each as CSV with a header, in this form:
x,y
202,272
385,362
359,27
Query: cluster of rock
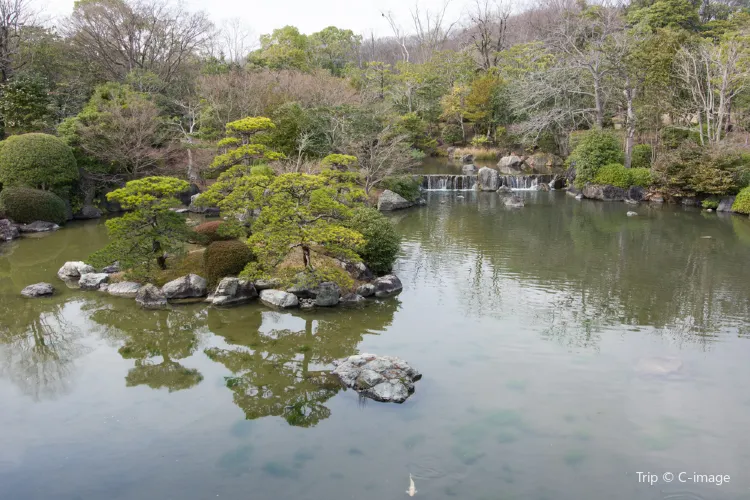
x,y
10,230
382,378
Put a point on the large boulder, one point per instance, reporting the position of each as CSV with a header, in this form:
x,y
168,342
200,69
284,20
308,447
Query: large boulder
x,y
127,289
352,299
635,194
557,182
231,291
8,230
196,209
383,378
88,212
186,197
279,298
387,286
366,290
187,287
725,204
358,270
510,165
603,192
150,297
543,163
392,201
488,179
267,284
38,290
39,226
73,270
92,281
328,294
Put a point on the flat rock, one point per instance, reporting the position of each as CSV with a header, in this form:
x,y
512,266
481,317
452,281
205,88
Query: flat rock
x,y
389,201
279,298
266,284
151,297
186,287
232,291
72,270
92,281
387,286
8,230
382,378
127,289
38,290
39,226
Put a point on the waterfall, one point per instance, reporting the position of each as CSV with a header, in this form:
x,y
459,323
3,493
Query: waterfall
x,y
449,182
525,182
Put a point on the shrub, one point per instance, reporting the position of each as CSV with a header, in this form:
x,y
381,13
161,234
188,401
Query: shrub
x,y
594,150
208,232
641,156
479,140
741,203
640,177
692,169
673,137
382,241
225,258
262,170
711,203
452,134
37,160
406,186
338,160
27,205
311,278
613,174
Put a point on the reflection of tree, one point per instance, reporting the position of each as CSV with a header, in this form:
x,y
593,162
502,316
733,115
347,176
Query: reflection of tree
x,y
37,346
283,371
150,335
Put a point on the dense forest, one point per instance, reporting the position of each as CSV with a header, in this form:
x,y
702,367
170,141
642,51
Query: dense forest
x,y
145,87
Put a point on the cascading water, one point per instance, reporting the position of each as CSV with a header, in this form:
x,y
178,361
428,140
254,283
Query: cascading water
x,y
525,182
449,182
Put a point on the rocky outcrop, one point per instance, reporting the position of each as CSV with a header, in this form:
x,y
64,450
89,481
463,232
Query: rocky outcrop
x,y
488,179
635,194
186,197
73,270
603,192
266,284
279,299
725,204
544,163
127,289
88,212
8,230
366,290
327,295
542,187
92,281
39,226
513,201
38,290
389,201
232,291
382,378
352,299
504,189
510,165
358,270
150,297
557,182
187,287
387,286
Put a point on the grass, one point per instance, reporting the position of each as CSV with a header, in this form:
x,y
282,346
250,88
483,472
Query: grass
x,y
191,262
479,153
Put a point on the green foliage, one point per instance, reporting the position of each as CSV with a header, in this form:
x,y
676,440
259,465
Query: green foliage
x,y
595,149
710,203
249,125
142,238
641,156
208,232
38,161
338,160
741,203
416,132
310,278
404,185
25,104
240,132
640,177
673,14
613,174
691,169
673,137
225,258
479,140
264,170
27,205
452,134
382,241
333,47
285,48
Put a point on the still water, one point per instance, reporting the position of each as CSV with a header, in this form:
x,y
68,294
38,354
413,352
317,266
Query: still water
x,y
564,346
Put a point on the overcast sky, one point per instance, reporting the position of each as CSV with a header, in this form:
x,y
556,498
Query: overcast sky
x,y
263,16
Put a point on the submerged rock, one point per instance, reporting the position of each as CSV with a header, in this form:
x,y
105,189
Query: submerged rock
x,y
73,270
279,298
151,297
658,366
92,281
328,294
8,230
127,289
382,378
488,179
39,226
352,299
190,286
513,201
387,286
392,201
632,214
233,291
366,290
38,290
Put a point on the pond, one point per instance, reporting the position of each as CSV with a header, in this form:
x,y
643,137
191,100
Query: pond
x,y
565,347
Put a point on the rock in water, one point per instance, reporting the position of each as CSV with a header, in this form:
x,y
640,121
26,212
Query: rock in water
x,y
510,164
725,204
92,281
603,192
150,297
38,290
382,378
387,286
513,201
352,299
187,287
366,290
632,214
279,298
488,179
504,189
659,366
469,169
465,159
8,231
328,294
73,270
39,226
88,212
127,289
392,201
635,194
233,291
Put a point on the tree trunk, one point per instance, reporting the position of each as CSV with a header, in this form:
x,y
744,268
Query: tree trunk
x,y
631,122
599,103
192,174
306,256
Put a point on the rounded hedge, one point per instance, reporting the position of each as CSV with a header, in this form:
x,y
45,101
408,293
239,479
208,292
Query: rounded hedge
x,y
382,240
741,203
26,205
640,177
613,174
641,156
595,149
225,258
405,186
38,161
208,232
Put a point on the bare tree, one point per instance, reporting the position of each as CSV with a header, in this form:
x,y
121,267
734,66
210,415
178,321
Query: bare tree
x,y
237,40
15,15
489,30
432,30
399,33
381,155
